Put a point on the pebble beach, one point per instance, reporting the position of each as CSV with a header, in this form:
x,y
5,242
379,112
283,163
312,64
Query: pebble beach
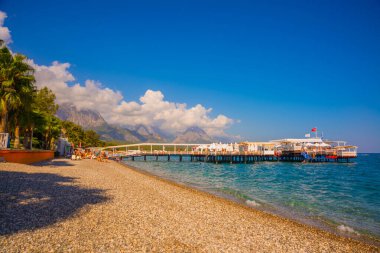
x,y
90,206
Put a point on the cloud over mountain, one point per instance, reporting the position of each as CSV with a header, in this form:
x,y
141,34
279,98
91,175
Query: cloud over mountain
x,y
152,109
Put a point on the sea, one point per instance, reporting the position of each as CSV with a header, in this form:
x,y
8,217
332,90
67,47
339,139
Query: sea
x,y
343,198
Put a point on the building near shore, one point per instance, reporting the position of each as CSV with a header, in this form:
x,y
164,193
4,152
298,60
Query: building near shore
x,y
218,147
298,145
258,147
290,146
315,146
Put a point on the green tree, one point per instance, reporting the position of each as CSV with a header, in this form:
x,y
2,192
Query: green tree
x,y
32,120
73,132
26,91
44,106
77,135
16,80
92,139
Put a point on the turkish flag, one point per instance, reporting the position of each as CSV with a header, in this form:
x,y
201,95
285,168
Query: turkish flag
x,y
314,129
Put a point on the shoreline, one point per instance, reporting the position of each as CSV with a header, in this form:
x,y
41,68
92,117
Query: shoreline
x,y
115,207
241,204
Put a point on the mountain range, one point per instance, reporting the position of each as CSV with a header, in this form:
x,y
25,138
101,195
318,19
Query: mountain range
x,y
91,119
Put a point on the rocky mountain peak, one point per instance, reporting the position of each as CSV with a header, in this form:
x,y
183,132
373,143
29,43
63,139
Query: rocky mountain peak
x,y
86,118
193,135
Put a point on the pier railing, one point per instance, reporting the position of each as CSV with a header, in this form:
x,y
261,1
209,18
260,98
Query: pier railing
x,y
247,153
194,152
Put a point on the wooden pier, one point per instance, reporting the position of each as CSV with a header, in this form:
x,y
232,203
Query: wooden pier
x,y
184,153
227,158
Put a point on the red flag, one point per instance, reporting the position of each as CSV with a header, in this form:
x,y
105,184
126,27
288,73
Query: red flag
x,y
314,129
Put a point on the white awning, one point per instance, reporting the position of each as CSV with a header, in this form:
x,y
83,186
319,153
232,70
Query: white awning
x,y
307,140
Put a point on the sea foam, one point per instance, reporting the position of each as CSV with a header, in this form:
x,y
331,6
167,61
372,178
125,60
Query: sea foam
x,y
347,229
252,203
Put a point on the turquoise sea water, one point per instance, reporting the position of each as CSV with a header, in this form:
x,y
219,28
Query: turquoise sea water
x,y
340,197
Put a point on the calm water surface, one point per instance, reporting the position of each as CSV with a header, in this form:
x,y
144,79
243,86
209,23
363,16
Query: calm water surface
x,y
342,197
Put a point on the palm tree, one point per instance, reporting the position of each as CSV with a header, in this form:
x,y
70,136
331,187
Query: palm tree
x,y
5,62
16,82
21,112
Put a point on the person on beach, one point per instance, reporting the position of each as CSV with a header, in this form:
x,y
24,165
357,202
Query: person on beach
x,y
105,157
76,155
102,157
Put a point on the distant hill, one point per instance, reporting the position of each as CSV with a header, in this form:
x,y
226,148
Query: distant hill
x,y
86,118
147,134
115,133
193,135
91,119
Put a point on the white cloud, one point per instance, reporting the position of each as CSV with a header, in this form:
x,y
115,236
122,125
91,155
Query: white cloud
x,y
5,34
151,109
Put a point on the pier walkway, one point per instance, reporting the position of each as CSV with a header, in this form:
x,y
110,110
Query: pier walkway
x,y
185,152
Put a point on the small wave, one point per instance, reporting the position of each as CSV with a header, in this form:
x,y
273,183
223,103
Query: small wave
x,y
347,229
235,193
252,203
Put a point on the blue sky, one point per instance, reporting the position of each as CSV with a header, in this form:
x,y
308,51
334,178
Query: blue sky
x,y
279,67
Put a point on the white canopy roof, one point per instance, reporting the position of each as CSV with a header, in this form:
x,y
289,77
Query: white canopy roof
x,y
306,140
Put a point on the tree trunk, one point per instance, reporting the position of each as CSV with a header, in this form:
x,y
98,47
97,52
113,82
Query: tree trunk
x,y
47,138
16,144
4,117
31,138
46,141
26,137
51,139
